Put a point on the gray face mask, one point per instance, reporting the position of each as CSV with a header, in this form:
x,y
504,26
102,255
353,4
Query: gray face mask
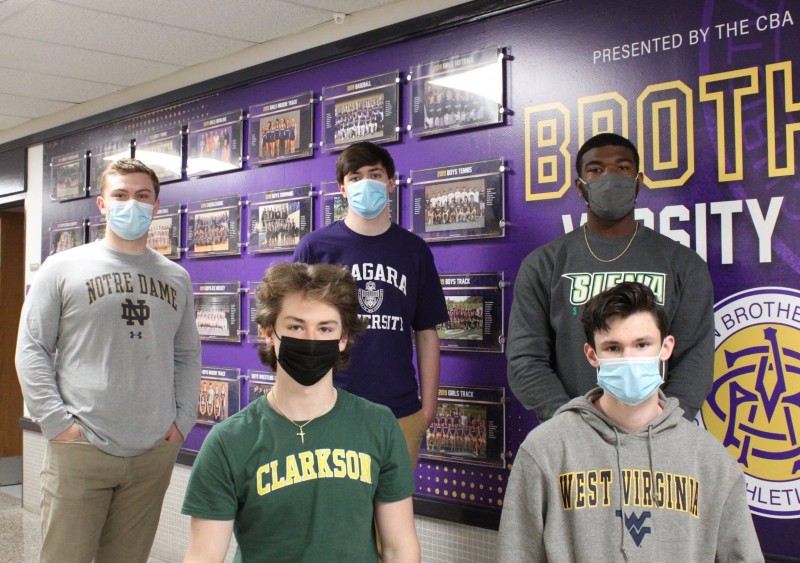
x,y
611,196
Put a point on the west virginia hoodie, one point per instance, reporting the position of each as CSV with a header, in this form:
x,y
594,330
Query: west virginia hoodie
x,y
584,489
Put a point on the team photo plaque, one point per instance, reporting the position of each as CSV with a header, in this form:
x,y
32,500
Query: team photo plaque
x,y
66,234
104,155
475,305
362,110
281,129
459,201
254,332
259,382
164,235
68,176
219,394
469,426
460,92
279,218
97,228
218,311
161,151
214,227
215,144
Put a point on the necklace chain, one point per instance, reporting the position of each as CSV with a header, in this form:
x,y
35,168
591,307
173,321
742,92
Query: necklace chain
x,y
307,422
630,242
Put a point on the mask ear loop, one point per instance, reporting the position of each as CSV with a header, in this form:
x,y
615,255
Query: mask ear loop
x,y
662,364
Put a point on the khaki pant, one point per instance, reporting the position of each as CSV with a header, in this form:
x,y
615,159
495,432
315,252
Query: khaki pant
x,y
99,506
414,428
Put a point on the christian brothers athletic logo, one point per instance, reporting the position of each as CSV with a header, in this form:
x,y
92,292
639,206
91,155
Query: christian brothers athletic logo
x,y
754,404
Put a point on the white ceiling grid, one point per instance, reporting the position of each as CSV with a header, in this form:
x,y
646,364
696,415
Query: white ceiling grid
x,y
55,54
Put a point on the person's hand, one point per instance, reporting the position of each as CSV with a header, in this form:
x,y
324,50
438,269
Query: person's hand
x,y
174,435
72,433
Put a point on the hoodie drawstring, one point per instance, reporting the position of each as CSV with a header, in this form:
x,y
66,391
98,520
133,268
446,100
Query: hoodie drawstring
x,y
621,513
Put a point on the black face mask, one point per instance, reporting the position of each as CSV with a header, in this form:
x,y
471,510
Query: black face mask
x,y
307,361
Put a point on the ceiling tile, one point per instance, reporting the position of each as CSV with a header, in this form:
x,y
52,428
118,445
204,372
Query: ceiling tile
x,y
69,62
51,87
63,24
9,121
25,106
343,6
256,21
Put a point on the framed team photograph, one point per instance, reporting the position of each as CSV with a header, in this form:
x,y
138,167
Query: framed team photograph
x,y
334,204
97,228
469,426
162,153
215,144
104,155
66,234
254,332
459,202
461,92
219,394
68,176
366,109
281,129
218,311
475,305
164,235
259,382
214,227
279,218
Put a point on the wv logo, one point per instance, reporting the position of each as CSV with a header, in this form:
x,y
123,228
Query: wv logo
x,y
139,311
635,525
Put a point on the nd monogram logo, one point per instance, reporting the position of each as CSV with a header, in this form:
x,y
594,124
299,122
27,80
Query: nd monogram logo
x,y
754,404
135,312
370,298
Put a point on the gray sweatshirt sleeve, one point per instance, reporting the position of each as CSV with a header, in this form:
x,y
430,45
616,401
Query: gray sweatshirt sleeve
x,y
736,538
531,343
36,345
187,366
521,536
691,367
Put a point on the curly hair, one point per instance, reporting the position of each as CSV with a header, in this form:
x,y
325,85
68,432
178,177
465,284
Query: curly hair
x,y
329,283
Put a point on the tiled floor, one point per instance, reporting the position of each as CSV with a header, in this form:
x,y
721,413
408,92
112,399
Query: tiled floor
x,y
19,529
20,534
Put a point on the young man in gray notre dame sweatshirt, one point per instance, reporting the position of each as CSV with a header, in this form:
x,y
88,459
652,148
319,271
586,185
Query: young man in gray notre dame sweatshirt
x,y
619,474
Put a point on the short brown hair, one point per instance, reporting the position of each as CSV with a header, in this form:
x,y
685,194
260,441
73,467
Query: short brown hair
x,y
363,154
324,282
125,166
622,300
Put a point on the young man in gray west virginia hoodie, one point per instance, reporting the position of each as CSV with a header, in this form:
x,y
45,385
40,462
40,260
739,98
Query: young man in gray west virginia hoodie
x,y
619,474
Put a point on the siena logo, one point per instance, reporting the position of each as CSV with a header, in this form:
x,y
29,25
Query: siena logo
x,y
754,404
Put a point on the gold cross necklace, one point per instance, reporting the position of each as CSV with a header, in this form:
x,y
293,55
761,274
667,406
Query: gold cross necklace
x,y
302,434
630,242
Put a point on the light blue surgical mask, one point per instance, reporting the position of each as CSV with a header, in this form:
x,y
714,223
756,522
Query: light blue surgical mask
x,y
631,380
367,197
130,219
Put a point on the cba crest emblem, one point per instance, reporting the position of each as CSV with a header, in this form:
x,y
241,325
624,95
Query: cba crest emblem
x,y
370,298
754,404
